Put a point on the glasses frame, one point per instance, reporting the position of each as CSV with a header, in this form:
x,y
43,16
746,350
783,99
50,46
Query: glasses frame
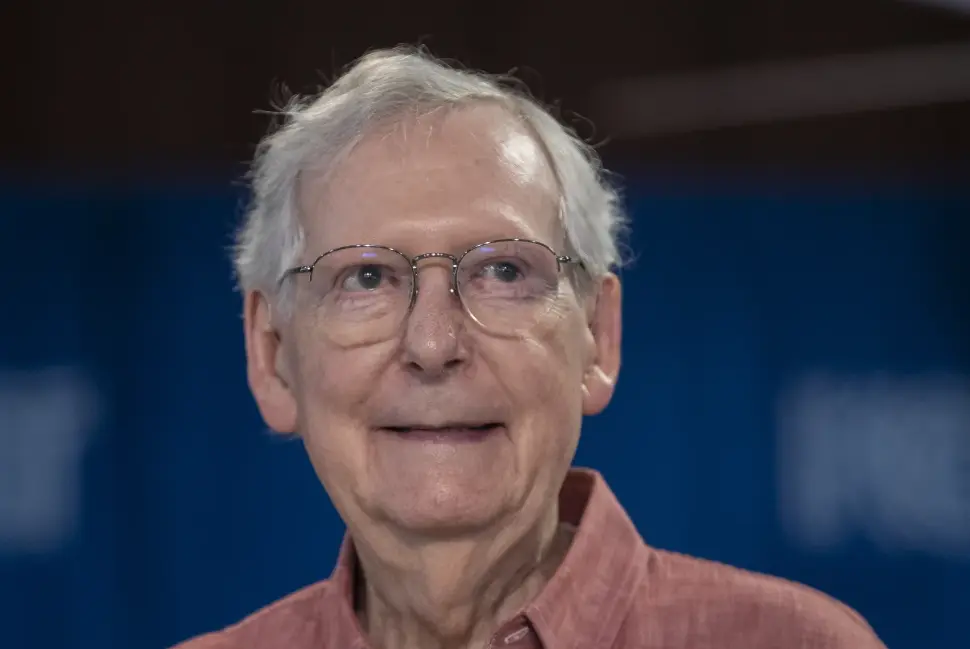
x,y
561,260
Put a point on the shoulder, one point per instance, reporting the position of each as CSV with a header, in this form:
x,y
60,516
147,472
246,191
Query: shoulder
x,y
704,600
293,621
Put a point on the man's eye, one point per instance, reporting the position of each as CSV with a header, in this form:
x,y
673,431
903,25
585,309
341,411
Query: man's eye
x,y
362,278
503,271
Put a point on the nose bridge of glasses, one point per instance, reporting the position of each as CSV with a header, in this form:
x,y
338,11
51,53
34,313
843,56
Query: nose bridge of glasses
x,y
434,255
452,265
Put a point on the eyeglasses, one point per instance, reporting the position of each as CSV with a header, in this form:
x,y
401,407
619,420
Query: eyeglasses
x,y
363,293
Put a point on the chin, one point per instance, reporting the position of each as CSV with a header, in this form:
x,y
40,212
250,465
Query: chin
x,y
445,510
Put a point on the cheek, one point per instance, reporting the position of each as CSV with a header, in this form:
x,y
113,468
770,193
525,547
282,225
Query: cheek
x,y
543,376
533,371
548,373
562,350
335,378
552,386
331,388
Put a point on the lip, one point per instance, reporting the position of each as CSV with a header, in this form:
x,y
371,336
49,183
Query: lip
x,y
450,433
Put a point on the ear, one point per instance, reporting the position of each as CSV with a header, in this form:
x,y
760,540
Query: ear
x,y
605,326
266,367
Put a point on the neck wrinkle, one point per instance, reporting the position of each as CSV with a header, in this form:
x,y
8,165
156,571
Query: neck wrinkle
x,y
453,597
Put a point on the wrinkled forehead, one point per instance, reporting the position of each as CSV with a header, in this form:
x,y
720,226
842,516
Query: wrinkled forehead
x,y
453,176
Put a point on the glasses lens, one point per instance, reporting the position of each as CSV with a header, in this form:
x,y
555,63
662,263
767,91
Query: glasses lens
x,y
509,286
361,294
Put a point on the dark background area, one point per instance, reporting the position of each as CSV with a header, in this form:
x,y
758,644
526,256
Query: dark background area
x,y
109,85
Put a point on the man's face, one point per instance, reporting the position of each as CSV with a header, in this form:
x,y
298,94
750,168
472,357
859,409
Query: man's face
x,y
439,183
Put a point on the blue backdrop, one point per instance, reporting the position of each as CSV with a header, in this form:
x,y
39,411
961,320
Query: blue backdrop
x,y
795,399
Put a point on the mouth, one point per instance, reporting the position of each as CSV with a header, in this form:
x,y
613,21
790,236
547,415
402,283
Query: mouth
x,y
452,432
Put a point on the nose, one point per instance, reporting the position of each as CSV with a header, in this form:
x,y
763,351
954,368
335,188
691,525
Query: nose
x,y
434,340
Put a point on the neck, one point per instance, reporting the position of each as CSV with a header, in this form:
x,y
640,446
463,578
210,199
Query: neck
x,y
454,593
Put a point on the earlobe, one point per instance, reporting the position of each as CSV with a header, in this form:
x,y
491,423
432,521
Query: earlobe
x,y
597,392
264,365
605,326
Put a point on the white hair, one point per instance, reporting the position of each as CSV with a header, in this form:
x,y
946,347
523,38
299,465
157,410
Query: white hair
x,y
383,85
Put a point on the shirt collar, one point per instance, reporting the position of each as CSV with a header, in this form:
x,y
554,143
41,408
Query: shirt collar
x,y
588,597
341,620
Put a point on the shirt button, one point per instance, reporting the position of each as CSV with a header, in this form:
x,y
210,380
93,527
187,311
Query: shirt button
x,y
515,636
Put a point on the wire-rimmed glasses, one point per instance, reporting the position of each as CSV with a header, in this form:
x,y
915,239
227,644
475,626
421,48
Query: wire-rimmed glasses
x,y
364,292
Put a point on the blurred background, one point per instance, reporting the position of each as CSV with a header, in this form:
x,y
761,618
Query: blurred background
x,y
796,389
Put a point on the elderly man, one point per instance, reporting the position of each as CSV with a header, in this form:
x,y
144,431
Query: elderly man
x,y
429,306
